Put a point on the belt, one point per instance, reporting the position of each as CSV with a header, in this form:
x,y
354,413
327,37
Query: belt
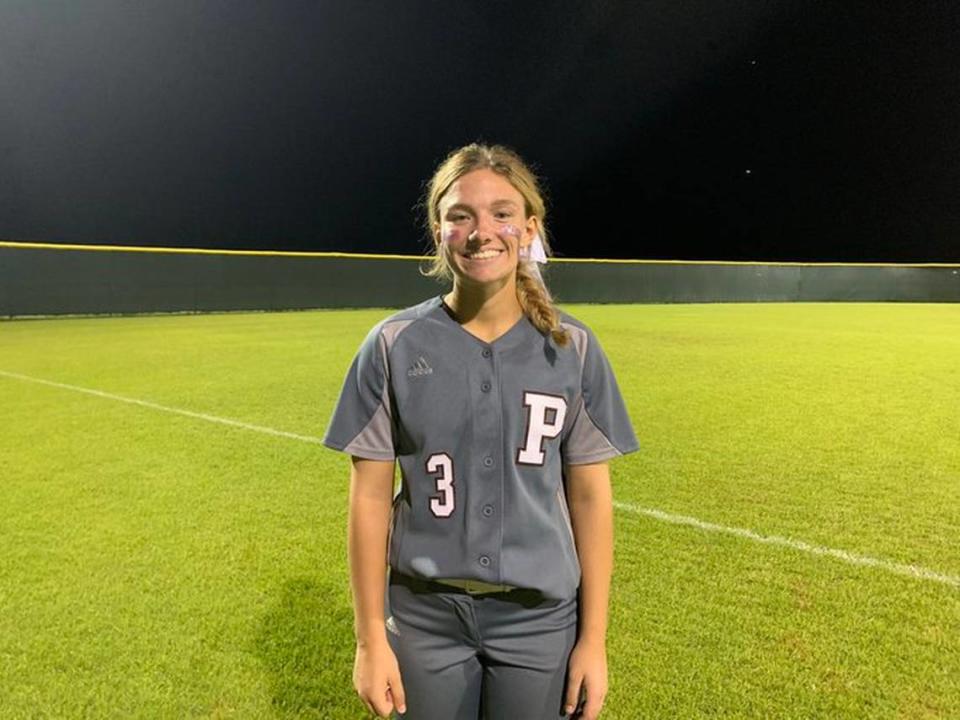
x,y
471,587
475,587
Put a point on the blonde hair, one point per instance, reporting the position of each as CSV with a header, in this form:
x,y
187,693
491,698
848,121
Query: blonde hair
x,y
532,293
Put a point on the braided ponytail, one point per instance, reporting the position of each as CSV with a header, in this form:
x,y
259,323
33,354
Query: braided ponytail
x,y
537,304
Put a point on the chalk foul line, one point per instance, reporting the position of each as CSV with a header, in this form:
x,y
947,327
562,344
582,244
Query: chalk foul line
x,y
165,408
913,571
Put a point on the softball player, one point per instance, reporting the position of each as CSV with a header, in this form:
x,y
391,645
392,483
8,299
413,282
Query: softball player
x,y
502,412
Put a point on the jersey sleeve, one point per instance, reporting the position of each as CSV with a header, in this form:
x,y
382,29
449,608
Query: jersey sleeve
x,y
601,427
361,423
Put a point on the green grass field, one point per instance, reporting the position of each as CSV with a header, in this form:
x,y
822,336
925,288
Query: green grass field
x,y
162,565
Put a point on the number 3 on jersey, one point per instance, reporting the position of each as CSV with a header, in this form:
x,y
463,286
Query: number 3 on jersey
x,y
441,466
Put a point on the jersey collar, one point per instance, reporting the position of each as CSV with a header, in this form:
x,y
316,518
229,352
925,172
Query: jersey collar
x,y
519,333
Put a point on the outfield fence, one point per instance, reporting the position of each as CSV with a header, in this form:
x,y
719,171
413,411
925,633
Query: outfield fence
x,y
53,279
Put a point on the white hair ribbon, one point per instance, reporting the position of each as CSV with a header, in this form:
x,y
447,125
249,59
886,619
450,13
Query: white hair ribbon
x,y
534,251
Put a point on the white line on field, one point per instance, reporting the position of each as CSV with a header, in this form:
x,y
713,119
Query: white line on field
x,y
914,571
848,557
155,406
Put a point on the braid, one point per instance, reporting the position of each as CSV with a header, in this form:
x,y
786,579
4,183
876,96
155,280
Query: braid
x,y
538,305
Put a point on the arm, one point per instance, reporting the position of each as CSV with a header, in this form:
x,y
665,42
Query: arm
x,y
376,675
591,513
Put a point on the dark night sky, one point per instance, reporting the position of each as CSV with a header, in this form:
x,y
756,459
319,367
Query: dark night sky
x,y
312,125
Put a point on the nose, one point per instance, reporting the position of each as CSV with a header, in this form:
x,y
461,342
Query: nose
x,y
484,231
478,237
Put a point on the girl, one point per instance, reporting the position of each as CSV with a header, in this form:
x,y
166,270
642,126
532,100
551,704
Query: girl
x,y
502,411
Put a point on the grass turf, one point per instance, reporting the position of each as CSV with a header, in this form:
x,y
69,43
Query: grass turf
x,y
161,566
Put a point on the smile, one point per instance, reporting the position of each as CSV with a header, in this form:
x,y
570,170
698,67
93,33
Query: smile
x,y
482,255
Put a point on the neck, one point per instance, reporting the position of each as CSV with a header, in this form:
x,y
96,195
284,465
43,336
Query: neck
x,y
484,305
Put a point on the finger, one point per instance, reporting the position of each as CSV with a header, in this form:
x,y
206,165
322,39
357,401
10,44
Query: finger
x,y
371,708
398,693
367,702
573,693
591,711
382,707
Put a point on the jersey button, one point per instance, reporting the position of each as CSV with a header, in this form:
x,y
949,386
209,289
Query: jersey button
x,y
484,560
488,461
487,510
485,387
487,352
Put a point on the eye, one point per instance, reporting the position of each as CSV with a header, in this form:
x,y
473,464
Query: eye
x,y
456,217
504,214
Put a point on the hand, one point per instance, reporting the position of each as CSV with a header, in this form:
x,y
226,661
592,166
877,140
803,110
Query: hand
x,y
376,678
587,674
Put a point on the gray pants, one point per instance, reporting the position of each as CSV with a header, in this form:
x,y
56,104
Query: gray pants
x,y
499,656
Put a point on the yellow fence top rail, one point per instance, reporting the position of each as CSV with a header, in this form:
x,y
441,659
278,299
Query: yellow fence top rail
x,y
374,256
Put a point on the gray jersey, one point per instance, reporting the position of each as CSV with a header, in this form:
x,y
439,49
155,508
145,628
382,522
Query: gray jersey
x,y
481,431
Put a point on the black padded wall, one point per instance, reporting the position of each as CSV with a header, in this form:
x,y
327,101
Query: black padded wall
x,y
54,281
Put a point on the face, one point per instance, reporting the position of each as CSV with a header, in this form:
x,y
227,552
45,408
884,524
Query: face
x,y
483,225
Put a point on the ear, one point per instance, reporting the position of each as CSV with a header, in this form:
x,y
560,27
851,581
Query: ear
x,y
530,231
436,233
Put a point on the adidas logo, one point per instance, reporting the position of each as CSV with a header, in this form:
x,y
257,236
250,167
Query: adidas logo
x,y
420,367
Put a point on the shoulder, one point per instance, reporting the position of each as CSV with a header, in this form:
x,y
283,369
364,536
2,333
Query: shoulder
x,y
391,326
569,321
415,312
580,333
